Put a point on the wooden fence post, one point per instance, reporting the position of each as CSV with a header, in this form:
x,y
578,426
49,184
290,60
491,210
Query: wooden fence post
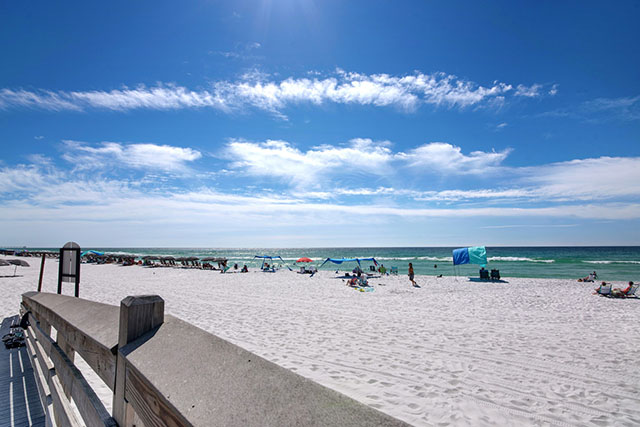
x,y
138,315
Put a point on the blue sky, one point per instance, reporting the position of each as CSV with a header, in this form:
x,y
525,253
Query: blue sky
x,y
319,123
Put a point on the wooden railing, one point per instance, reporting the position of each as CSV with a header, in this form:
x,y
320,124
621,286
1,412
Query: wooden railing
x,y
166,372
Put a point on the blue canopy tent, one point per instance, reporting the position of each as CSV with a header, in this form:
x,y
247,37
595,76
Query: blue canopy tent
x,y
470,255
270,258
341,260
92,253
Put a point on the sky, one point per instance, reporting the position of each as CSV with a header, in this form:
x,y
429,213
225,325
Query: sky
x,y
308,123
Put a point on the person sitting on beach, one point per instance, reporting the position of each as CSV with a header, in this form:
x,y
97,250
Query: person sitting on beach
x,y
363,280
620,293
244,269
235,266
353,282
382,270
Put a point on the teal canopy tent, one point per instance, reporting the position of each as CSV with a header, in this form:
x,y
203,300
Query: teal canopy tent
x,y
341,260
92,253
270,258
470,255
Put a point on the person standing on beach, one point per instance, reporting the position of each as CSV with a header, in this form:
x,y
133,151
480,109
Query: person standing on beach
x,y
411,275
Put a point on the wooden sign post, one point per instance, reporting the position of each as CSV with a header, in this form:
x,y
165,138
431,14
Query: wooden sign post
x,y
69,266
41,273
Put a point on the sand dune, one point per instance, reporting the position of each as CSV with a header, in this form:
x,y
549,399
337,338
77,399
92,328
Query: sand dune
x,y
454,352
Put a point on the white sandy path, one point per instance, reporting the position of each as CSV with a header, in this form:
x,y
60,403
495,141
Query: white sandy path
x,y
530,352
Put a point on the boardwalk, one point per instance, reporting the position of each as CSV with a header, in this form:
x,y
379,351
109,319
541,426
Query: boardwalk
x,y
19,401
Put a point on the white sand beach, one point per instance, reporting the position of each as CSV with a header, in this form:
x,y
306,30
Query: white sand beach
x,y
453,352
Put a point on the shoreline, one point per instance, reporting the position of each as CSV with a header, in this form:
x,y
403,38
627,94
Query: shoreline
x,y
527,352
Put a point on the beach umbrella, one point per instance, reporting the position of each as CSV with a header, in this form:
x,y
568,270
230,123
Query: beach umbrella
x,y
304,259
18,263
150,258
214,259
3,263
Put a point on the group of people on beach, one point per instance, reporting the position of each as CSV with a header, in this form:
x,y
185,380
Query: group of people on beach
x,y
603,289
592,277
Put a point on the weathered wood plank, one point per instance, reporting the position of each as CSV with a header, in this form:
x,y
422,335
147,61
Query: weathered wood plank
x,y
41,353
62,410
88,327
42,381
150,406
65,346
138,315
89,405
74,384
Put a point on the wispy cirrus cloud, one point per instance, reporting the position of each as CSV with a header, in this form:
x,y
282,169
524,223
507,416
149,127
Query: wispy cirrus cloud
x,y
242,51
137,156
585,179
256,90
601,109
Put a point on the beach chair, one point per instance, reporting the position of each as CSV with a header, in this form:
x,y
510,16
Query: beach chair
x,y
604,290
394,270
632,291
495,274
484,275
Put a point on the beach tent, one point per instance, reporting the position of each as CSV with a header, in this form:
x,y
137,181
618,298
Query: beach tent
x,y
341,260
92,253
470,255
270,258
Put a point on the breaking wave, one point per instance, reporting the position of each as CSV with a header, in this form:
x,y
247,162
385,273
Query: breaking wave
x,y
519,259
611,262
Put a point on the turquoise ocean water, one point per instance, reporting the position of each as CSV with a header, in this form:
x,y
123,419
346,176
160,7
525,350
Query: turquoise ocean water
x,y
610,263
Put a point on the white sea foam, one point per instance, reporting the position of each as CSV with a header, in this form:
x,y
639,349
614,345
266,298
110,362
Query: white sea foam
x,y
411,258
611,262
435,258
519,259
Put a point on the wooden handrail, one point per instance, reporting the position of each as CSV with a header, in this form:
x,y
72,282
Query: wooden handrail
x,y
166,372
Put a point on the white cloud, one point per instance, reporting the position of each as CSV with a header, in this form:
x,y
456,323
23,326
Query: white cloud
x,y
532,91
139,156
406,93
280,159
586,179
446,158
494,194
54,198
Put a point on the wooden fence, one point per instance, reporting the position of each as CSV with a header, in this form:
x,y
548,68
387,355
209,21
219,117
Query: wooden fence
x,y
166,372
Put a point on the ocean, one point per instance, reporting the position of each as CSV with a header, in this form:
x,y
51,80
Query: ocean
x,y
619,263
